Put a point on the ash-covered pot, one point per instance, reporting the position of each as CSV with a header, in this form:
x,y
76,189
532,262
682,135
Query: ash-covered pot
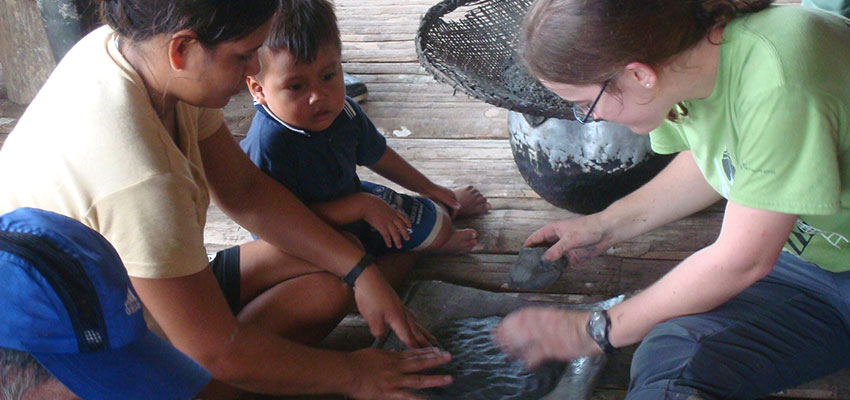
x,y
581,168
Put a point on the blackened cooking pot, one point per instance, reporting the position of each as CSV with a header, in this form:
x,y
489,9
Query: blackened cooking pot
x,y
581,168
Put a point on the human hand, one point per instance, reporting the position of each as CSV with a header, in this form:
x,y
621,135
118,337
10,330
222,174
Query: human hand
x,y
391,223
538,334
380,306
445,196
578,238
382,374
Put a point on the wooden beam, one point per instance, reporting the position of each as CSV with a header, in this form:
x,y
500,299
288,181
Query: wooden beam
x,y
24,50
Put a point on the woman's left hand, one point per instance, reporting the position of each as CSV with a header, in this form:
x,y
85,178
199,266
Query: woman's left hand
x,y
443,195
538,334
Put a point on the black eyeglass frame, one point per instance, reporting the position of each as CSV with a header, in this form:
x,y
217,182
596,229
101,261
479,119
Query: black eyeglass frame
x,y
577,112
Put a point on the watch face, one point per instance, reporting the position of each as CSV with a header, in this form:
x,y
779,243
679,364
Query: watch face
x,y
597,326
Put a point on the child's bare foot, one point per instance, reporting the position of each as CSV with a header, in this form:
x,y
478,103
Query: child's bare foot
x,y
461,241
472,202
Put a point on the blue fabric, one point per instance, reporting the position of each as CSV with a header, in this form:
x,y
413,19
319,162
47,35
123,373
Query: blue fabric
x,y
315,166
38,318
421,211
225,267
791,327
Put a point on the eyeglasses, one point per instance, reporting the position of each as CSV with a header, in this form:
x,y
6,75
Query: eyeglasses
x,y
583,113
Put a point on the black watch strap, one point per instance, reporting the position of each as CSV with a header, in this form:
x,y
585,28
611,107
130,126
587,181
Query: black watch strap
x,y
352,275
598,327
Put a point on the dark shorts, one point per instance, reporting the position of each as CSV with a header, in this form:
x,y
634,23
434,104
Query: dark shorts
x,y
426,220
225,267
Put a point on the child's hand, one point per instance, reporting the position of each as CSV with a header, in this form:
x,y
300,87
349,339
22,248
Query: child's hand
x,y
444,195
392,224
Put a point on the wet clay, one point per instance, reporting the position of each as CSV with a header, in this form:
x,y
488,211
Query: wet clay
x,y
529,272
482,371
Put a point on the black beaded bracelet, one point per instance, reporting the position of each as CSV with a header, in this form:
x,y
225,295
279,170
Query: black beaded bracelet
x,y
364,262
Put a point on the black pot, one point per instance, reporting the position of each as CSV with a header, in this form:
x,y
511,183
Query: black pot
x,y
581,168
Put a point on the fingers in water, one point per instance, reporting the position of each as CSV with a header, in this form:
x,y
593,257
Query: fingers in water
x,y
421,341
416,362
427,340
424,351
431,339
402,330
425,381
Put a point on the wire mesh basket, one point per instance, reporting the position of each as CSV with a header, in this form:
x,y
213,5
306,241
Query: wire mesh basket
x,y
474,50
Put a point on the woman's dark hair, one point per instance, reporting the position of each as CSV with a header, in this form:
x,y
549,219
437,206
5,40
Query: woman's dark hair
x,y
213,21
302,27
583,42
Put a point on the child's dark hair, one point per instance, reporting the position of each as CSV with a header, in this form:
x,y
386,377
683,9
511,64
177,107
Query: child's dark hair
x,y
213,21
301,27
584,42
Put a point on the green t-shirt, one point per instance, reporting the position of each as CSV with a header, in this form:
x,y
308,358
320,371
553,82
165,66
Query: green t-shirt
x,y
841,7
775,132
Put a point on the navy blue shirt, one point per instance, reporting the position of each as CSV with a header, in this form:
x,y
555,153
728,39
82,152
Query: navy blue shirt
x,y
315,166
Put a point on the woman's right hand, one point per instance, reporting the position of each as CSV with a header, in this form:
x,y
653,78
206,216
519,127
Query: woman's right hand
x,y
392,224
381,374
577,238
380,306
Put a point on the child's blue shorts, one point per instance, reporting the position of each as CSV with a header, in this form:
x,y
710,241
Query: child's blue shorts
x,y
426,220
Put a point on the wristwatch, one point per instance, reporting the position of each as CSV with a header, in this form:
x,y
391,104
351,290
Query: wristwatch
x,y
598,326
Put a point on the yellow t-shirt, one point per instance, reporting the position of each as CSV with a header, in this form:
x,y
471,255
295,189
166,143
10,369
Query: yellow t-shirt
x,y
91,146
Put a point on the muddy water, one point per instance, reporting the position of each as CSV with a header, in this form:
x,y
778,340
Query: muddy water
x,y
482,371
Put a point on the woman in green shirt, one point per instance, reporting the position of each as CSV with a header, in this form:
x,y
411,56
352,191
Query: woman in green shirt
x,y
754,98
841,7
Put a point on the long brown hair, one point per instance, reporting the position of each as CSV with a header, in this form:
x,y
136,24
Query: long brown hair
x,y
583,42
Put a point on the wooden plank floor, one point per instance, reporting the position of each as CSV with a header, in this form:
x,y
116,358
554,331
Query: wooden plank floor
x,y
456,140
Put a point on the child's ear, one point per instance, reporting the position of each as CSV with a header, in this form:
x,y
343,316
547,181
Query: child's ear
x,y
256,89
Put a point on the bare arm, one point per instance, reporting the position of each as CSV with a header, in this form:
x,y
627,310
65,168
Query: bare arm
x,y
395,168
748,246
268,209
392,224
243,356
341,211
259,361
676,192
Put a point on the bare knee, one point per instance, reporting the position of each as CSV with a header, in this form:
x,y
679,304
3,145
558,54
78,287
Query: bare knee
x,y
353,239
337,297
262,266
304,309
396,267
